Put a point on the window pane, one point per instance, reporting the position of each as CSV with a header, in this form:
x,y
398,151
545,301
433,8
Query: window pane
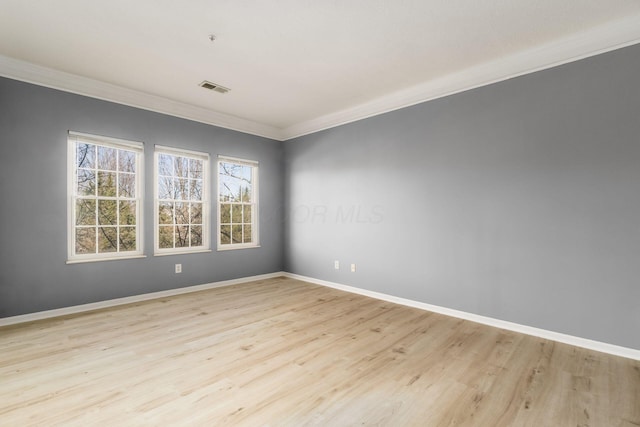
x,y
230,182
126,161
106,184
223,189
127,212
107,158
225,234
182,213
225,213
165,237
181,166
196,235
181,189
196,213
246,210
85,212
196,189
236,190
182,236
246,193
107,239
107,212
127,239
236,234
165,187
127,185
247,234
245,172
85,155
236,214
195,168
165,164
86,182
85,240
165,213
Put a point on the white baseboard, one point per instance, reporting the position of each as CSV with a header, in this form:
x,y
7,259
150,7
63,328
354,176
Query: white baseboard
x,y
30,317
502,324
528,330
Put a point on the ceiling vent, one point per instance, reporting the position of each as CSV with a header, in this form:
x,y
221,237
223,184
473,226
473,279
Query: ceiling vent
x,y
214,86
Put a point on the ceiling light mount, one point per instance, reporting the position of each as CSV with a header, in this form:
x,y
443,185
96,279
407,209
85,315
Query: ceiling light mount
x,y
212,38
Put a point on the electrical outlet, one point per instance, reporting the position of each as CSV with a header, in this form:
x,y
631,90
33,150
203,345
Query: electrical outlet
x,y
336,265
353,268
178,268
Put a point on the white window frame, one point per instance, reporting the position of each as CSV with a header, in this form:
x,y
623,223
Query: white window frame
x,y
72,172
255,232
206,241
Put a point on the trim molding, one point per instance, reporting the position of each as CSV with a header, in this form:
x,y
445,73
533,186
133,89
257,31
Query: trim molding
x,y
601,39
607,37
30,317
615,350
31,73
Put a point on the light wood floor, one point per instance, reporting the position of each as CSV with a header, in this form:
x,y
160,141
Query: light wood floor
x,y
282,352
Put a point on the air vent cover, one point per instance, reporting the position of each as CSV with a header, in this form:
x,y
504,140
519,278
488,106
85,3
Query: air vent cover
x,y
214,86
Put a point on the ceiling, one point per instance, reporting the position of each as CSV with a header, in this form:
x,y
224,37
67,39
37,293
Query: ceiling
x,y
297,66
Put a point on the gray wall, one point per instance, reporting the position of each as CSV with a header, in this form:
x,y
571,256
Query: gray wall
x,y
519,201
33,212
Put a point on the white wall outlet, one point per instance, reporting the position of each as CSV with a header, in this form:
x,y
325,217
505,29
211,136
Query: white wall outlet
x,y
336,265
178,268
353,268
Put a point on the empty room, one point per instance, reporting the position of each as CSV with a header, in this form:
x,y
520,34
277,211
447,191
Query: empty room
x,y
320,213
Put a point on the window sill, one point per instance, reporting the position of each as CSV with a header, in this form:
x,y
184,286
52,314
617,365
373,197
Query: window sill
x,y
82,261
199,251
236,247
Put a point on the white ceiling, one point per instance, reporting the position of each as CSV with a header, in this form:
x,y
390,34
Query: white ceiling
x,y
297,66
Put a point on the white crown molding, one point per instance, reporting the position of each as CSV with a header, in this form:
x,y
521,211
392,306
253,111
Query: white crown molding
x,y
601,39
43,76
615,350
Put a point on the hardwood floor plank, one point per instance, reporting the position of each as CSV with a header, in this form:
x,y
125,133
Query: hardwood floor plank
x,y
284,352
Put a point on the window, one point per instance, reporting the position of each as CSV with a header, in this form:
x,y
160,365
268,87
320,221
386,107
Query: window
x,y
105,187
237,203
181,203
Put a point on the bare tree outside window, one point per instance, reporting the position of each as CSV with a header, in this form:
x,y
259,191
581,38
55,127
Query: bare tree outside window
x,y
180,203
105,200
237,202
